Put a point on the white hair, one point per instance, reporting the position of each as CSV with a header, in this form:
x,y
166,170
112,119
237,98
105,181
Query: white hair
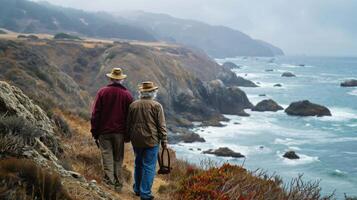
x,y
117,81
151,94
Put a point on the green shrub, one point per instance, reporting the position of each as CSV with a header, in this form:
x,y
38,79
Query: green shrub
x,y
23,179
60,36
2,32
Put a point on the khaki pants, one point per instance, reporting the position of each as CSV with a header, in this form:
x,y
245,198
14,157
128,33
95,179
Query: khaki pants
x,y
112,149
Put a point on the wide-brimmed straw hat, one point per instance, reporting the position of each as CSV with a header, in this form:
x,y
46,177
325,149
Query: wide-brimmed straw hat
x,y
116,73
147,86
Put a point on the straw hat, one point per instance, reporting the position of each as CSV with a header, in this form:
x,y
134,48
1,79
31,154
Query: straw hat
x,y
147,86
116,73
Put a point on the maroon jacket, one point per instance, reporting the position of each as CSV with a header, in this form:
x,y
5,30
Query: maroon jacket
x,y
110,110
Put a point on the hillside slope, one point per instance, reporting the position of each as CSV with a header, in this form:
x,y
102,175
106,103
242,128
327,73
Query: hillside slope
x,y
67,74
32,17
216,41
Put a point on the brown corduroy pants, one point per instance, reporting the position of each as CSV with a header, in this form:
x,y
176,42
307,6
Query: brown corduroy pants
x,y
112,149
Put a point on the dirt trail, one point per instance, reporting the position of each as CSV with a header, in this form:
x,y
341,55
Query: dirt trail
x,y
82,129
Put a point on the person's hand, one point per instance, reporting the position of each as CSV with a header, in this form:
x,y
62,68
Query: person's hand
x,y
164,145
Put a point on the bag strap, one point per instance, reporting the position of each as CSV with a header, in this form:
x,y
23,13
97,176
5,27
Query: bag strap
x,y
161,158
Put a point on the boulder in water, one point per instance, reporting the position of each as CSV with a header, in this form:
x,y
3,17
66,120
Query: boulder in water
x,y
224,152
288,74
349,83
278,85
230,65
267,105
306,108
291,155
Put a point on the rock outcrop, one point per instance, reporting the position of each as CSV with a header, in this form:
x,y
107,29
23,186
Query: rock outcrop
x,y
306,108
288,74
27,132
267,105
230,65
228,100
278,85
229,78
291,155
224,152
349,83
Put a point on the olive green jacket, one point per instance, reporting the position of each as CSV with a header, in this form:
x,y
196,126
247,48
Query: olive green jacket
x,y
146,123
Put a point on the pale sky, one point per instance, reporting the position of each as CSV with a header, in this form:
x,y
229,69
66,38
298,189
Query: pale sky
x,y
299,27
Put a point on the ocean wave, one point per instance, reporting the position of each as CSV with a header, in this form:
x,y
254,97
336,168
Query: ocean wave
x,y
303,160
353,92
339,114
338,173
322,140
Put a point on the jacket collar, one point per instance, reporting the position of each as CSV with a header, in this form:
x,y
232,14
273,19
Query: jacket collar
x,y
117,85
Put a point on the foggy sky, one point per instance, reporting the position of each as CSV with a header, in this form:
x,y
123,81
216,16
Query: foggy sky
x,y
299,27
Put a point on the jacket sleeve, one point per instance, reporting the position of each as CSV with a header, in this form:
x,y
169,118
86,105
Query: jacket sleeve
x,y
95,118
161,126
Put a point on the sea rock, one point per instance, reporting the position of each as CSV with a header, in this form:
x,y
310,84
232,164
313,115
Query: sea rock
x,y
228,100
262,95
177,135
306,108
213,122
278,85
267,105
291,155
349,83
269,70
230,65
230,78
288,74
224,152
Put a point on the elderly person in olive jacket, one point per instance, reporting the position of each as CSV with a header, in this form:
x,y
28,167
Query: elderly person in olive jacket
x,y
147,129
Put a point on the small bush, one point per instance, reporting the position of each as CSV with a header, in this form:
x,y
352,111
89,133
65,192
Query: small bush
x,y
234,182
62,125
16,130
23,179
2,32
60,36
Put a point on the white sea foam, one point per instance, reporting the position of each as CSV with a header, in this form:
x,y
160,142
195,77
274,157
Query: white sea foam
x,y
339,114
353,92
304,159
338,173
290,66
321,140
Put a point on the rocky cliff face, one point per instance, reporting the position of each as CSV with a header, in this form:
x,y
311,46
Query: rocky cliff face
x,y
182,74
30,155
67,74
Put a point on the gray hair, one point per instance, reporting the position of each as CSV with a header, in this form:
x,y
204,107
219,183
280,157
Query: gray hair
x,y
151,94
117,81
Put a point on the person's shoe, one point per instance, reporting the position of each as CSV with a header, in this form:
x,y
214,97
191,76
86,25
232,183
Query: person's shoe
x,y
118,187
107,181
147,198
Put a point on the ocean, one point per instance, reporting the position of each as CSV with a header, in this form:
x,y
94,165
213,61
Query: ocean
x,y
327,145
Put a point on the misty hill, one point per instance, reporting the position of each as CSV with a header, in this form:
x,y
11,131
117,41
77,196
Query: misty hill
x,y
217,41
31,17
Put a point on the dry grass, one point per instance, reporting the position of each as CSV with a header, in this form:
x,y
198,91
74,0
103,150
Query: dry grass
x,y
23,179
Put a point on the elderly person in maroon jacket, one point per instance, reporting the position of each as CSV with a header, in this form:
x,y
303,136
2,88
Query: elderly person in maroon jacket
x,y
108,121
